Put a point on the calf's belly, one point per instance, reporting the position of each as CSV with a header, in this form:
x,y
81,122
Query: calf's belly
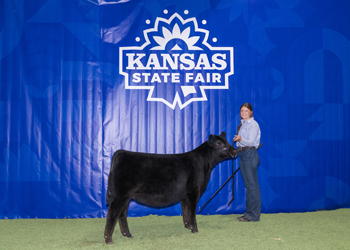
x,y
159,199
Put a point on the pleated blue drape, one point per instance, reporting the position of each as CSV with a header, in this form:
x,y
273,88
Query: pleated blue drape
x,y
65,108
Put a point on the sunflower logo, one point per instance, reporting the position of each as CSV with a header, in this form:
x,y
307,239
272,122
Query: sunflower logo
x,y
176,34
176,63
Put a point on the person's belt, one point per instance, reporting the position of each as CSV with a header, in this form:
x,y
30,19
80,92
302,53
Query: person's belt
x,y
245,148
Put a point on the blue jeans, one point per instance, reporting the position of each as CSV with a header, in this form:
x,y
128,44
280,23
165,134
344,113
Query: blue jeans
x,y
248,163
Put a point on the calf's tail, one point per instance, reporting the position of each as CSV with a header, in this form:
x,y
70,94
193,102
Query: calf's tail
x,y
110,193
108,197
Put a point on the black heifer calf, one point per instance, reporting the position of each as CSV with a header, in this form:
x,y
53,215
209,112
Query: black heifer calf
x,y
161,180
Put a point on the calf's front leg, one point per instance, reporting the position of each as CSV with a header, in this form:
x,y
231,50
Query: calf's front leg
x,y
185,213
192,201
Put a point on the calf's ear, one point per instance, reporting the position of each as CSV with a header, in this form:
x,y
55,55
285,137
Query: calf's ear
x,y
211,140
223,135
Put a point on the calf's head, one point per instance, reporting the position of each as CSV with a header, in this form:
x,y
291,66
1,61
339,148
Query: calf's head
x,y
220,143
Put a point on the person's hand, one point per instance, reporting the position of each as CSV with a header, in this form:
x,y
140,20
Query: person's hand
x,y
237,138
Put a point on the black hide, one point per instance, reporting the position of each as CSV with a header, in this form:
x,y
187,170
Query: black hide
x,y
162,180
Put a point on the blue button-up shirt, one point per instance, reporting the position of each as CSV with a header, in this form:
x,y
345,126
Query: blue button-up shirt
x,y
250,133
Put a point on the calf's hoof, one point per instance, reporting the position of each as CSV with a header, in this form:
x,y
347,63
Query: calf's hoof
x,y
194,230
127,235
108,240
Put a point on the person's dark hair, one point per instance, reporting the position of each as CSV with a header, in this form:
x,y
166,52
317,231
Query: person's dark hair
x,y
248,106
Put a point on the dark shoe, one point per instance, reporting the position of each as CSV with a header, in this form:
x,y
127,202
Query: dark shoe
x,y
243,219
240,217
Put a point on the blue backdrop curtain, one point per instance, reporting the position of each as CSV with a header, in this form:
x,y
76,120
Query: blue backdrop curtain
x,y
74,89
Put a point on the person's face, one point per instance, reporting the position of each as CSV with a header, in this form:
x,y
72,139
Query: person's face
x,y
246,113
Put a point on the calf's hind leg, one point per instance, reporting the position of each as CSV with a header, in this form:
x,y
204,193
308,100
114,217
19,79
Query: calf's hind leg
x,y
115,209
123,223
